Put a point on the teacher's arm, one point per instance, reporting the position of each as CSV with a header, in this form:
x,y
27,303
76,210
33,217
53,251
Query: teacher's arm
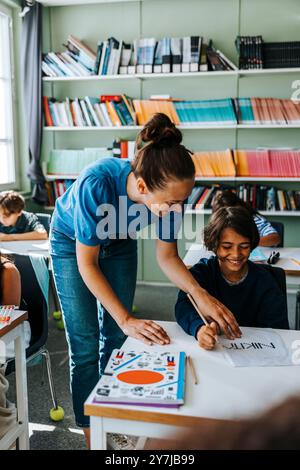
x,y
174,268
145,330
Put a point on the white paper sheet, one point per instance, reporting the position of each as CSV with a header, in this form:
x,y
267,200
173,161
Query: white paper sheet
x,y
256,347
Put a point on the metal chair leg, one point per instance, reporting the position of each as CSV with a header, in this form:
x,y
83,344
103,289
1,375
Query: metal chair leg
x,y
46,355
297,317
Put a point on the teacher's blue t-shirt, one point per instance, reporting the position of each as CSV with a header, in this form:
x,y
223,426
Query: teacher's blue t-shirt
x,y
97,209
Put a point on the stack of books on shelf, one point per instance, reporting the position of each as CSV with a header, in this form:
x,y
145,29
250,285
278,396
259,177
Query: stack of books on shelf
x,y
267,111
145,55
65,162
250,52
268,162
254,53
259,197
105,111
261,162
121,110
77,61
56,189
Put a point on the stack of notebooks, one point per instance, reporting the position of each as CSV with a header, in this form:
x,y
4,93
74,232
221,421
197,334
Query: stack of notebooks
x,y
147,378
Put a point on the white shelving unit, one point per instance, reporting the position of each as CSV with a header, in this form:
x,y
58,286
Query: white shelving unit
x,y
61,177
151,76
274,213
248,178
181,126
234,75
61,3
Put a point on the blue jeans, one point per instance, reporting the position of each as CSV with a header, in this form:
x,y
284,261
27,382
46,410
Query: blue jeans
x,y
91,332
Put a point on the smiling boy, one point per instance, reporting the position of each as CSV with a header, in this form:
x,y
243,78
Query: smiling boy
x,y
15,222
247,289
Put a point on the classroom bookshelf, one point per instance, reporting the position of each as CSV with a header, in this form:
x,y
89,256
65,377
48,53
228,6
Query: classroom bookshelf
x,y
222,21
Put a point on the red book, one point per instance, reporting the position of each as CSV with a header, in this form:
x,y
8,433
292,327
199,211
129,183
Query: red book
x,y
124,149
47,113
115,98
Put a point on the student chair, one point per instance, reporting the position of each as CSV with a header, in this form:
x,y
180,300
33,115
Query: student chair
x,y
279,276
44,219
279,227
34,302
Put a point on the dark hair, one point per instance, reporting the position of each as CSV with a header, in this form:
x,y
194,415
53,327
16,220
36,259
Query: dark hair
x,y
160,156
229,198
238,218
11,202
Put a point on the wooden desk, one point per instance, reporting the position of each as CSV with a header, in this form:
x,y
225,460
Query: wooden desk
x,y
15,332
292,270
223,393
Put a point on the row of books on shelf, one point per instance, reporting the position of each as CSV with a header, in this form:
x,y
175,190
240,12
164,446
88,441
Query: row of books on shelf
x,y
121,110
259,162
259,197
56,189
70,162
254,53
146,55
105,111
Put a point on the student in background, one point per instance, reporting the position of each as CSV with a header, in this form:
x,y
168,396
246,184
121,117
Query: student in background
x,y
10,283
10,294
245,288
268,236
15,222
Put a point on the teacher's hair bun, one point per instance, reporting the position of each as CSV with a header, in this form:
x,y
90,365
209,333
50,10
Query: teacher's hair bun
x,y
160,130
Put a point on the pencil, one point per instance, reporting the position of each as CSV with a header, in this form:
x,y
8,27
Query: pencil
x,y
199,313
191,364
295,261
197,310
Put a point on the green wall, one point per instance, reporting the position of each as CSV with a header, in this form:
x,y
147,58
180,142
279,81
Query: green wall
x,y
222,20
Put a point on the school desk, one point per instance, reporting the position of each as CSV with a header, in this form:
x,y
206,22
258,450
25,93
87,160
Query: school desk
x,y
24,247
223,392
15,332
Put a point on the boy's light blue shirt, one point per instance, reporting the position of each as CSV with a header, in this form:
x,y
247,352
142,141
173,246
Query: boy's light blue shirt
x,y
80,212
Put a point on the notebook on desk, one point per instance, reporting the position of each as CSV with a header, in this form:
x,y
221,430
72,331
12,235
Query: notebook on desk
x,y
144,378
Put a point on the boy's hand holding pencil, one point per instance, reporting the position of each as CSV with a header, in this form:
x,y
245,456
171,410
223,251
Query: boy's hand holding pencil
x,y
207,335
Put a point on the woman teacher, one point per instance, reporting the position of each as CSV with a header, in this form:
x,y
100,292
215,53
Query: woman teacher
x,y
95,258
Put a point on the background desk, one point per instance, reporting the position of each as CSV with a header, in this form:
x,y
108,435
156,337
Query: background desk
x,y
15,332
223,392
26,247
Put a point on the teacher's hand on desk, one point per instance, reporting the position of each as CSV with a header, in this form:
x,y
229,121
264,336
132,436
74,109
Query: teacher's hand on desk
x,y
213,309
145,330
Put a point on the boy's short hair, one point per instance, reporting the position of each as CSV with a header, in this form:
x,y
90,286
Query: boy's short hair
x,y
11,202
237,218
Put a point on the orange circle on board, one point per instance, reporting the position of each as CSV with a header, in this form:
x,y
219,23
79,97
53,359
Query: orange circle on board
x,y
140,377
